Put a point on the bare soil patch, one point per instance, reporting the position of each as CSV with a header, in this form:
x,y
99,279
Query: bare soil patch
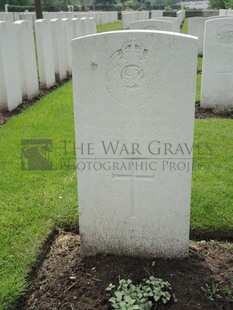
x,y
201,113
65,281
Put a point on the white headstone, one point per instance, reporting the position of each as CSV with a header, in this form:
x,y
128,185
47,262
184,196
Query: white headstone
x,y
74,27
59,49
196,26
67,24
143,15
175,22
92,25
83,26
27,58
217,70
127,18
156,13
151,24
45,53
133,202
216,17
16,16
10,83
223,12
180,15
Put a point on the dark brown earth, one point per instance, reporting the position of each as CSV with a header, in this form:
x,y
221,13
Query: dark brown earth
x,y
201,113
65,281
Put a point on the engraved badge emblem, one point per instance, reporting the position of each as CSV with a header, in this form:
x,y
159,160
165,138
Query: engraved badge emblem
x,y
225,34
132,76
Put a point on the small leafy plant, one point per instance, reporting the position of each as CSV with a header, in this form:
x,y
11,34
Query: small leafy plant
x,y
210,291
143,296
213,292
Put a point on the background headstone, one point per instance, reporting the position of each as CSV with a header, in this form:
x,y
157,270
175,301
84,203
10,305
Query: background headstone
x,y
27,58
59,49
196,27
217,69
151,24
45,53
175,22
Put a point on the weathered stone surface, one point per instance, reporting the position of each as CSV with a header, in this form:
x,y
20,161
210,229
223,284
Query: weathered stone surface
x,y
151,24
134,199
45,53
27,58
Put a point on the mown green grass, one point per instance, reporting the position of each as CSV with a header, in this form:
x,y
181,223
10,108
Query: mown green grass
x,y
199,63
212,186
33,203
184,28
198,87
110,27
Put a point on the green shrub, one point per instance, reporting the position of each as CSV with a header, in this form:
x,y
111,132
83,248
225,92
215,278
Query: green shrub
x,y
168,8
118,7
21,8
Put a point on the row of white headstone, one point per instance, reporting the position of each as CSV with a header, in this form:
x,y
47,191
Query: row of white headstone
x,y
100,17
132,20
18,67
223,12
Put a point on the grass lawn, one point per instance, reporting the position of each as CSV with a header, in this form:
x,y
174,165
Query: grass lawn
x,y
198,87
212,187
184,28
33,203
110,27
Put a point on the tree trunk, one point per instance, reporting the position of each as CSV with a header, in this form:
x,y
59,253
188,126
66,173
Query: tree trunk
x,y
39,14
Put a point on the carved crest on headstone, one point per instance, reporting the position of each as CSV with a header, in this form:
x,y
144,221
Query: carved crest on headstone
x,y
131,77
225,34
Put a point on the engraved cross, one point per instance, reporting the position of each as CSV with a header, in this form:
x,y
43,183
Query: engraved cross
x,y
132,177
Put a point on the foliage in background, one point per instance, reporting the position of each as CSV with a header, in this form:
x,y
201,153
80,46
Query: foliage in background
x,y
221,4
21,8
118,5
